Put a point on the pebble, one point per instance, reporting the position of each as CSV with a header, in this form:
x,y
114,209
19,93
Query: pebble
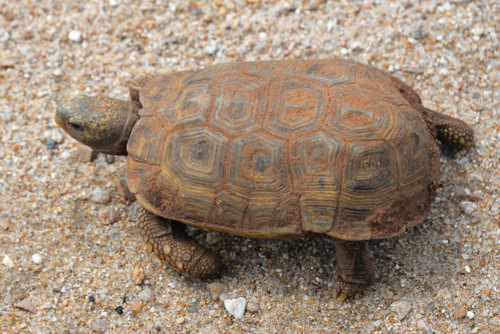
x,y
75,36
4,35
51,144
100,196
213,237
7,261
109,216
137,306
236,307
100,326
137,276
470,314
36,258
459,312
468,207
253,306
216,289
195,307
180,320
27,305
146,295
227,295
418,33
422,326
85,153
123,189
401,308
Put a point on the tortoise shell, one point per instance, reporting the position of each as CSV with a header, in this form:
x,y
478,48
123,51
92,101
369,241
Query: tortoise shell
x,y
282,149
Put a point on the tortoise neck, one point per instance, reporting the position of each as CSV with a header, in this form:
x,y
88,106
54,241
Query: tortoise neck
x,y
130,117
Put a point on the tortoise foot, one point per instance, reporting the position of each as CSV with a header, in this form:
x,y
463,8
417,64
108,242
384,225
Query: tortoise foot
x,y
355,269
170,242
344,290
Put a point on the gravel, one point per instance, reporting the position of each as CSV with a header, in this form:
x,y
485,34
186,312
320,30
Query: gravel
x,y
53,193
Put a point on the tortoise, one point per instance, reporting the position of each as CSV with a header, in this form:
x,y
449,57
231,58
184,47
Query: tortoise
x,y
272,149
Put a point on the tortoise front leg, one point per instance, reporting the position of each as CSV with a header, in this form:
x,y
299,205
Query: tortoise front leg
x,y
355,268
169,241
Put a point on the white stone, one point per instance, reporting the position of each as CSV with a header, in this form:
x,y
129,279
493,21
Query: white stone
x,y
146,295
36,258
401,308
470,314
75,36
468,207
7,261
236,307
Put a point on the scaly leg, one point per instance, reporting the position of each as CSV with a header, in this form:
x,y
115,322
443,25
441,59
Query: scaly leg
x,y
355,268
169,241
451,131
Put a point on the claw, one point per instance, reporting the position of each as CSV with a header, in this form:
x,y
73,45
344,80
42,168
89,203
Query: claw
x,y
342,297
357,295
335,294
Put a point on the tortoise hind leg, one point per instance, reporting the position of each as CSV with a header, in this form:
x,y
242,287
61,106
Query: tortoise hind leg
x,y
355,268
451,131
169,241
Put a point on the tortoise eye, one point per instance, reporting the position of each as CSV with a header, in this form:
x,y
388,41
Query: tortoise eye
x,y
75,126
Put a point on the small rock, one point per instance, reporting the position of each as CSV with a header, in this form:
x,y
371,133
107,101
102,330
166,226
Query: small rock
x,y
180,320
194,308
213,237
138,276
468,207
110,159
4,35
100,326
146,295
109,216
216,289
377,323
227,295
136,307
236,307
228,321
124,190
75,36
57,72
253,307
27,305
418,33
7,261
401,308
470,314
51,144
422,326
36,258
467,269
100,196
459,312
85,153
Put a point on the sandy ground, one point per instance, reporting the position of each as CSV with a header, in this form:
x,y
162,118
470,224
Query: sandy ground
x,y
69,250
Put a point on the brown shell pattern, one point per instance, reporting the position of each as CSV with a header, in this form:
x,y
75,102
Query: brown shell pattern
x,y
282,149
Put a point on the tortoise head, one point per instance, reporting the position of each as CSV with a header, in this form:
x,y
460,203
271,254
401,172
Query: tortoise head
x,y
102,123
